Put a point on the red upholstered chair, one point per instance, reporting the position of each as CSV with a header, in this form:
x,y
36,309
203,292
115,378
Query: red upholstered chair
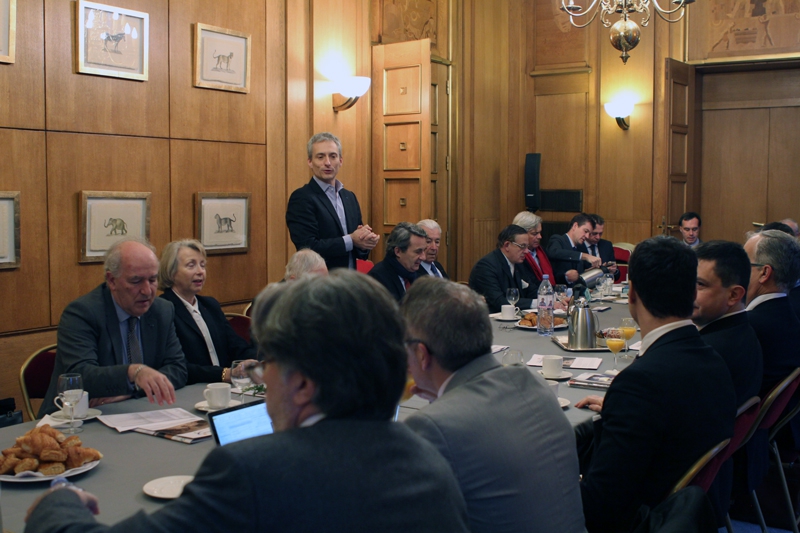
x,y
364,265
34,376
241,324
622,254
248,311
703,472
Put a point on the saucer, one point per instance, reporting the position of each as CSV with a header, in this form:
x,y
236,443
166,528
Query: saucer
x,y
564,375
498,316
91,414
563,402
203,406
169,487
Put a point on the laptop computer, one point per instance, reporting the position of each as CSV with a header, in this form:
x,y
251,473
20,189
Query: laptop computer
x,y
241,422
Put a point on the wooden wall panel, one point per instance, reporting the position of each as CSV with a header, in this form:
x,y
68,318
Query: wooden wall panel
x,y
99,104
735,169
13,352
558,44
738,90
77,162
22,104
210,114
563,155
26,290
197,166
783,194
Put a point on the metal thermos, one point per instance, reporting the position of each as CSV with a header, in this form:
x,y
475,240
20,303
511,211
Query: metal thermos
x,y
583,326
592,277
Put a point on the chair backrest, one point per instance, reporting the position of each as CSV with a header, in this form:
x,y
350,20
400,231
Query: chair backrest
x,y
786,417
364,265
248,311
703,472
35,374
773,405
240,324
623,271
621,254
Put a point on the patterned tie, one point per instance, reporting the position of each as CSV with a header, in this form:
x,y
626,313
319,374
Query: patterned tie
x,y
134,349
406,284
435,272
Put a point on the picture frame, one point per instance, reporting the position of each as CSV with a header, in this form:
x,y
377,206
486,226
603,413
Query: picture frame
x,y
8,30
111,41
106,217
9,230
221,58
223,222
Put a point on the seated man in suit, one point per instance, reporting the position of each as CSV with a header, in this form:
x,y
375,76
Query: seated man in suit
x,y
597,246
323,215
494,424
303,262
565,251
335,367
209,342
430,265
501,270
793,225
405,250
668,408
120,337
536,263
774,271
788,226
689,224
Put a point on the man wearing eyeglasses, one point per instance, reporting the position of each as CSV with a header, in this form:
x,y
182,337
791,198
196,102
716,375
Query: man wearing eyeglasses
x,y
566,252
501,270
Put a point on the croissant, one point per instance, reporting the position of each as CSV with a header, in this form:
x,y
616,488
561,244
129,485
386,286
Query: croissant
x,y
80,456
14,450
52,469
37,442
52,432
25,465
72,441
10,462
57,455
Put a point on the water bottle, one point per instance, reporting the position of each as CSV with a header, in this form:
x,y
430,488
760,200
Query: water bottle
x,y
545,305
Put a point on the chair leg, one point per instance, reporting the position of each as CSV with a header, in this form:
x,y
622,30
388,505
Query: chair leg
x,y
761,521
785,486
728,525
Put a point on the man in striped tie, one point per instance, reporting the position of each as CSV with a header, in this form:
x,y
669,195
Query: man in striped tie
x,y
430,265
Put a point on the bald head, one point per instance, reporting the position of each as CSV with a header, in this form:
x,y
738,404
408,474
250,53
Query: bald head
x,y
132,275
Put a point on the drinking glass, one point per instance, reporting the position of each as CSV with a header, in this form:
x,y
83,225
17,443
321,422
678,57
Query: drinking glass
x,y
615,340
512,295
628,327
70,391
608,284
240,377
512,357
561,294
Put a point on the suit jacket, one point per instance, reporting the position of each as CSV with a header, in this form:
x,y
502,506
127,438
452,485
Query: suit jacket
x,y
778,331
228,345
564,257
313,223
359,476
439,267
794,299
606,251
387,277
90,343
491,277
533,274
660,415
495,425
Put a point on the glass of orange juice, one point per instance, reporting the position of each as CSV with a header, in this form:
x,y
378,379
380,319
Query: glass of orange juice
x,y
407,390
615,340
628,327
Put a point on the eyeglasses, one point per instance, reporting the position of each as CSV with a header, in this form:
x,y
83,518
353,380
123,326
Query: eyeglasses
x,y
518,245
757,265
411,342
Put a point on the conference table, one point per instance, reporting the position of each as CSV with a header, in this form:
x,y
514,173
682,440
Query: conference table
x,y
132,459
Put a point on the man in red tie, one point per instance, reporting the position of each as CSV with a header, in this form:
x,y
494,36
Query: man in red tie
x,y
536,262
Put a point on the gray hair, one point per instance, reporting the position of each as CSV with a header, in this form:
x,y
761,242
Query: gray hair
x,y
168,266
527,220
782,252
792,224
400,237
322,137
428,223
465,335
113,259
302,262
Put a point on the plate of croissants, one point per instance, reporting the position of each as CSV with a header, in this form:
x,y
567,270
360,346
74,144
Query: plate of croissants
x,y
44,453
531,320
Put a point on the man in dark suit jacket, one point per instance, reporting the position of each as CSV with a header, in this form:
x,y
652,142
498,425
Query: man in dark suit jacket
x,y
336,461
565,251
405,251
668,408
149,360
501,270
597,246
430,266
323,215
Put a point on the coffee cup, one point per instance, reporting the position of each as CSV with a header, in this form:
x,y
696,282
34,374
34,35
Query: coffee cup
x,y
218,395
508,311
553,386
81,409
552,366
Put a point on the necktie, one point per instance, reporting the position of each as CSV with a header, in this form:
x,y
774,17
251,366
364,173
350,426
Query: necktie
x,y
134,349
595,253
434,271
406,284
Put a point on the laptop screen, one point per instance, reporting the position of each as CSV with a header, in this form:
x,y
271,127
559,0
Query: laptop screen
x,y
240,422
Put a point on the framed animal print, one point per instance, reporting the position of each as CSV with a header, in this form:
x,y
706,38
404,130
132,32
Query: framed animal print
x,y
112,41
223,221
8,30
106,217
221,59
9,229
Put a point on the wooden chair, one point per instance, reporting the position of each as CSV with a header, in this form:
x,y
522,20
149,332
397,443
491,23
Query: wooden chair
x,y
364,265
34,376
240,324
248,311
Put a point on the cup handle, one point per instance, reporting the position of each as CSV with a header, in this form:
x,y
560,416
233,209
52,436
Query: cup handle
x,y
205,394
59,405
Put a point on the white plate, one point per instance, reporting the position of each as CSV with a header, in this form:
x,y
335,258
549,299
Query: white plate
x,y
169,487
29,477
564,375
562,326
91,414
563,402
498,316
203,406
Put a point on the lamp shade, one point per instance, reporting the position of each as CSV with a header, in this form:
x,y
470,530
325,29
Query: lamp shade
x,y
619,108
353,86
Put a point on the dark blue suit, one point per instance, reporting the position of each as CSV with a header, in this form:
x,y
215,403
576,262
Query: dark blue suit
x,y
491,277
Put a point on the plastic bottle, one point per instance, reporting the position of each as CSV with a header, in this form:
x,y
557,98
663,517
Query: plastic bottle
x,y
545,305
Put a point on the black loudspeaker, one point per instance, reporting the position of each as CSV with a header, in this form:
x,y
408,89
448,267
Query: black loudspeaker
x,y
533,199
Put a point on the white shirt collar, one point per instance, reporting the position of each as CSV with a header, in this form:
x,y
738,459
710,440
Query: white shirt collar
x,y
758,300
570,240
659,332
700,328
444,385
510,264
427,267
311,420
191,307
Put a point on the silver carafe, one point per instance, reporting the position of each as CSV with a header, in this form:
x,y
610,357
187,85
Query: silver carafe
x,y
583,326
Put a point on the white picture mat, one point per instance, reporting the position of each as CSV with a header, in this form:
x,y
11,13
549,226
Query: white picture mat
x,y
216,44
7,244
216,235
5,27
98,211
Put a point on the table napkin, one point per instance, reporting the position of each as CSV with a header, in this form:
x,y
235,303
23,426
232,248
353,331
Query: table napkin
x,y
57,422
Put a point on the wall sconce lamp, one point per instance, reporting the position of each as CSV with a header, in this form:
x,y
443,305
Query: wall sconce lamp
x,y
348,90
620,108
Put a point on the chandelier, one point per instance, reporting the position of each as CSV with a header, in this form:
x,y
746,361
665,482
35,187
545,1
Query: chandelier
x,y
625,33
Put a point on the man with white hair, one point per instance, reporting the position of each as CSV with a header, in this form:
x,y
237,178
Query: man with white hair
x,y
305,261
430,265
792,224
